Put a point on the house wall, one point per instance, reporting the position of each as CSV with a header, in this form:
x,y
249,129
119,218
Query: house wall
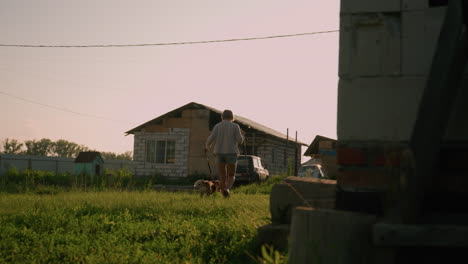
x,y
178,169
88,168
386,49
84,168
276,154
327,153
326,156
199,123
190,131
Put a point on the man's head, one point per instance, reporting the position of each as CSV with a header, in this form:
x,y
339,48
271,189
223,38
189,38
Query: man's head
x,y
227,115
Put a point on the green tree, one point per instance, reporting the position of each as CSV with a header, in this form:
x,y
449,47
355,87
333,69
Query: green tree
x,y
114,156
42,147
67,149
12,146
127,155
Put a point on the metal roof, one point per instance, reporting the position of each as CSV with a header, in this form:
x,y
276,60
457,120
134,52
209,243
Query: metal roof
x,y
88,156
238,119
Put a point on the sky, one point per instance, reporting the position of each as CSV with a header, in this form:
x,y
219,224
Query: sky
x,y
92,96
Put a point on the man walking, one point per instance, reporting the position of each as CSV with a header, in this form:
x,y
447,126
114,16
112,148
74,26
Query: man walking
x,y
223,140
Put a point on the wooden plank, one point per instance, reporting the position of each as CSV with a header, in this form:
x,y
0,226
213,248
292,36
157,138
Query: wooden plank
x,y
332,237
398,235
284,197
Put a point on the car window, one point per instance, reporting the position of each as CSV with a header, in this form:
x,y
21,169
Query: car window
x,y
243,164
257,163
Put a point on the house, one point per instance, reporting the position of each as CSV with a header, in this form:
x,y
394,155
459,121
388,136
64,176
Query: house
x,y
89,163
173,144
323,149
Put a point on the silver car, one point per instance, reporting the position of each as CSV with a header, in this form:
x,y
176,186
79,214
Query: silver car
x,y
250,169
311,171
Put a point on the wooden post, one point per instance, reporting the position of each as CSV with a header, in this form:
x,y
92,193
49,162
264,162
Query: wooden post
x,y
295,157
287,148
253,144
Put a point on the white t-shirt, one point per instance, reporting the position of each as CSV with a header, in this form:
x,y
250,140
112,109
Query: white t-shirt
x,y
224,138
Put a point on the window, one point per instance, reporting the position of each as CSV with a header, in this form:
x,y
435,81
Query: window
x,y
160,151
150,151
170,152
257,163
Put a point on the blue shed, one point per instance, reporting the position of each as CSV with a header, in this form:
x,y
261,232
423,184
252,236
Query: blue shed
x,y
89,163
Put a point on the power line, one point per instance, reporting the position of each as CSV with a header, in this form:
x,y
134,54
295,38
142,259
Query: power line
x,y
165,44
63,109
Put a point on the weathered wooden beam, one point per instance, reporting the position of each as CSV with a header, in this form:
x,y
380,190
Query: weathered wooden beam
x,y
398,235
334,237
298,191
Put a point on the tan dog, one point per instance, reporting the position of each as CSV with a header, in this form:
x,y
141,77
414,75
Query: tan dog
x,y
206,187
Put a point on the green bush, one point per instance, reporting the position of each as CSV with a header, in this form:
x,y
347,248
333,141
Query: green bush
x,y
28,180
121,178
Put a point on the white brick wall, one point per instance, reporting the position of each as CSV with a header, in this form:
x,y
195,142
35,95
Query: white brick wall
x,y
179,169
276,165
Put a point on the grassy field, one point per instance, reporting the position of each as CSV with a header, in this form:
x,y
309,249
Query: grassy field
x,y
132,227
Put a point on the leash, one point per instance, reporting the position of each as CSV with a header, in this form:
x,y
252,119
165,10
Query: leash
x,y
209,166
245,143
298,194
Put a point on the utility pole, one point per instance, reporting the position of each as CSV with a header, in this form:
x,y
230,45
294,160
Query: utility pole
x,y
286,152
295,157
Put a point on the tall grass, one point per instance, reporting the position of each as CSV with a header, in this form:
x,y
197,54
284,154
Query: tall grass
x,y
260,188
15,181
45,182
130,227
110,224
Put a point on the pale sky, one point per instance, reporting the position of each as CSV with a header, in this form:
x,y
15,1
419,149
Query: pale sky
x,y
281,83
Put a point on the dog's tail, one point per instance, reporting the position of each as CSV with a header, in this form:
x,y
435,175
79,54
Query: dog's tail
x,y
197,183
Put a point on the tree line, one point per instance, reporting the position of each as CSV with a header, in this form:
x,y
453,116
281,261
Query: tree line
x,y
59,148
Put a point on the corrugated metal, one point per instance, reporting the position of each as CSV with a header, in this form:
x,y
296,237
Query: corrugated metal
x,y
53,164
